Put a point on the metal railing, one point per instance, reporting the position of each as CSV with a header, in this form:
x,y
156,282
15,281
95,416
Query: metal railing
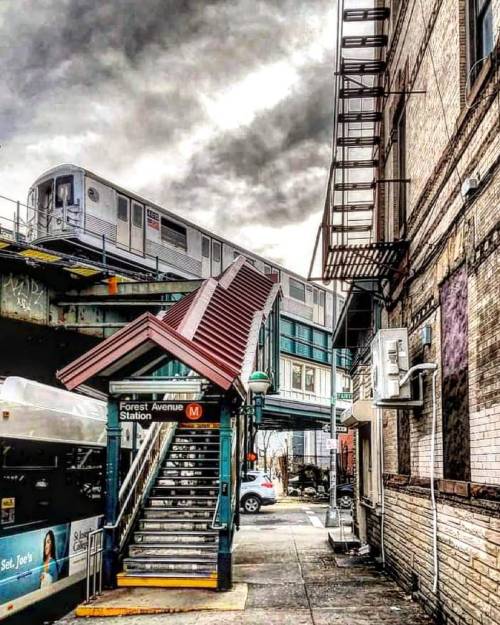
x,y
136,483
95,548
215,522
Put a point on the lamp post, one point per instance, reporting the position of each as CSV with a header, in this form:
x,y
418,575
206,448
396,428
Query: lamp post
x,y
259,383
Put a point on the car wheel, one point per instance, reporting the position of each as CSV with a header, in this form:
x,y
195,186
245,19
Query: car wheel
x,y
251,504
345,502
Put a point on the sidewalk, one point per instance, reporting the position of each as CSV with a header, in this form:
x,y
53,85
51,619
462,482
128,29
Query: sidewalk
x,y
294,578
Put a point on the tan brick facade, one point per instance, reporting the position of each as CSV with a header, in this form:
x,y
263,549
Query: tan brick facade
x,y
452,133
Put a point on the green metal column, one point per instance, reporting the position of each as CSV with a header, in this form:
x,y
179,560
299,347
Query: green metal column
x,y
224,559
110,556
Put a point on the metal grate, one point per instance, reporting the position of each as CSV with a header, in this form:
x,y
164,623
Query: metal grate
x,y
362,68
363,261
364,41
369,162
354,186
359,117
357,142
361,92
366,15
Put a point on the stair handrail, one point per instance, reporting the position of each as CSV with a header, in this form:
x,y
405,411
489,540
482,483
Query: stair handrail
x,y
137,481
215,524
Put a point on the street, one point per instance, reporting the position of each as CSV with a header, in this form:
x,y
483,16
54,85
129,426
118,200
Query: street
x,y
293,576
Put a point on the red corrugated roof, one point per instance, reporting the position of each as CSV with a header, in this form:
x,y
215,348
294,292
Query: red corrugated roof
x,y
214,330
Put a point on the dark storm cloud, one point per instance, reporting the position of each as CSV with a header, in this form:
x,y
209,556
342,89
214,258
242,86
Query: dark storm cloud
x,y
104,83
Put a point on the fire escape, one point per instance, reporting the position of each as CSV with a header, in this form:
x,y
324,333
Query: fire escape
x,y
353,249
355,252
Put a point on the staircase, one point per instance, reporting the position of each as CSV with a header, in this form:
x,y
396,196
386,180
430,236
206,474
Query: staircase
x,y
174,544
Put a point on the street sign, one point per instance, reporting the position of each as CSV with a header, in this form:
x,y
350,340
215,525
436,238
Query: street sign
x,y
167,410
344,396
331,444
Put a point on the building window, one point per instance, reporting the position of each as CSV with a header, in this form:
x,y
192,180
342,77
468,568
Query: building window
x,y
400,132
480,29
309,379
455,383
297,376
122,208
205,247
216,251
297,290
173,233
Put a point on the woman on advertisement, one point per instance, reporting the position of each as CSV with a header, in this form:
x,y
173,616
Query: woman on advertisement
x,y
50,569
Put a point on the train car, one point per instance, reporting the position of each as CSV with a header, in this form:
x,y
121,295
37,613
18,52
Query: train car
x,y
52,452
76,211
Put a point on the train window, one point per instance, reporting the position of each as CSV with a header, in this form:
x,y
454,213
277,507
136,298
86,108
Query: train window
x,y
315,296
137,215
205,247
173,233
236,254
122,208
216,251
297,290
64,191
267,270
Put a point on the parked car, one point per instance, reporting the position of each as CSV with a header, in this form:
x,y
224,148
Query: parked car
x,y
256,490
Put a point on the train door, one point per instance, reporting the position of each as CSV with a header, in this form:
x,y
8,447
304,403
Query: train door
x,y
137,228
205,257
123,222
45,207
216,258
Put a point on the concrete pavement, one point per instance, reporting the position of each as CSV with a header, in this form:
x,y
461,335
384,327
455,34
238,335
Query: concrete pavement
x,y
293,577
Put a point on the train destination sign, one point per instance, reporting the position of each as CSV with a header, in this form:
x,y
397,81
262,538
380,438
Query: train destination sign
x,y
167,410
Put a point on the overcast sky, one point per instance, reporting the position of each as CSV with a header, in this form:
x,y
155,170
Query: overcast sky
x,y
218,111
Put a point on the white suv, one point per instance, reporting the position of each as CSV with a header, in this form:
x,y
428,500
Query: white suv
x,y
256,490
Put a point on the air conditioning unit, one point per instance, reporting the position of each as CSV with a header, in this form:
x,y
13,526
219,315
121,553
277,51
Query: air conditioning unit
x,y
390,362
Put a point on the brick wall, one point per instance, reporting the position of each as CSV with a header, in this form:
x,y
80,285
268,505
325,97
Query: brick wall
x,y
446,231
469,557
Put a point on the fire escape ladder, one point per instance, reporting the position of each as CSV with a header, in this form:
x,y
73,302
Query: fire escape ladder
x,y
351,249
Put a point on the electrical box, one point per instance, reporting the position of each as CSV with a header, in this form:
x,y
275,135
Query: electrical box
x,y
390,362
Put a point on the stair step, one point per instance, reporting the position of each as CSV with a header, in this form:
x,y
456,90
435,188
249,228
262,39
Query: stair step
x,y
360,117
364,41
168,580
160,501
205,566
366,15
181,513
361,92
174,524
362,68
206,463
192,473
181,537
171,550
197,446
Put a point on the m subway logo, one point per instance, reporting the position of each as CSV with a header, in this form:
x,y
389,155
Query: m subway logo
x,y
194,412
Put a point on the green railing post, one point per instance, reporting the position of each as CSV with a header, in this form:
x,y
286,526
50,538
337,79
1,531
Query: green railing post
x,y
110,556
224,558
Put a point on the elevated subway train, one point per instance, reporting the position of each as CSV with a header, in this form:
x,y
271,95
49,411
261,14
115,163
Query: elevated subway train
x,y
76,211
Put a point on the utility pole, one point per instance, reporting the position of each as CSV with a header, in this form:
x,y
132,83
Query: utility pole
x,y
332,515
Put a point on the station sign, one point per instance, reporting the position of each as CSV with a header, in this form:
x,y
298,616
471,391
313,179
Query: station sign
x,y
167,410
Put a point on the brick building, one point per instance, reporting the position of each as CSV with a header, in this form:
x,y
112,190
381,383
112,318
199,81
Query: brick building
x,y
411,232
